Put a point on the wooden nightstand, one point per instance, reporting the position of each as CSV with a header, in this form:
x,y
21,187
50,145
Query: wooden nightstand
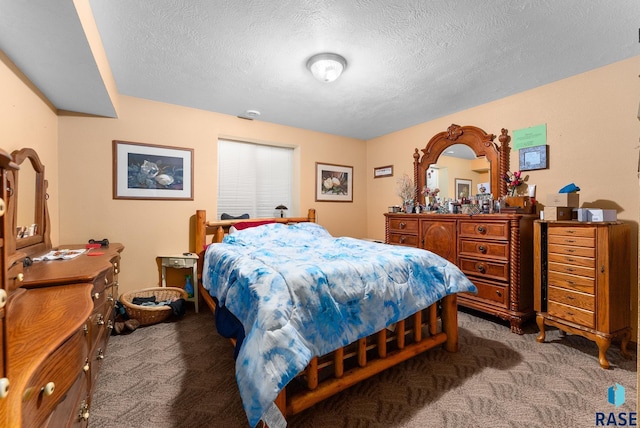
x,y
182,261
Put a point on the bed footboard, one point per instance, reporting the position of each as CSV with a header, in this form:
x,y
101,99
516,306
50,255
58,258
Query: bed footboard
x,y
332,373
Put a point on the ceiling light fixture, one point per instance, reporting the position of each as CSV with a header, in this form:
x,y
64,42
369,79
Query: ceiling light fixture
x,y
326,67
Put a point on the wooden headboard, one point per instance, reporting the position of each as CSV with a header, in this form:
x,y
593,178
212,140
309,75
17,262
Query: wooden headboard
x,y
217,229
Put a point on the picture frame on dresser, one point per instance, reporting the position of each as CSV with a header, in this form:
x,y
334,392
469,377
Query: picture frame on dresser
x,y
148,171
334,183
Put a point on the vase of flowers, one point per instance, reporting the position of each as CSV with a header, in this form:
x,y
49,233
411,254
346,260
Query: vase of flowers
x,y
430,197
514,198
406,192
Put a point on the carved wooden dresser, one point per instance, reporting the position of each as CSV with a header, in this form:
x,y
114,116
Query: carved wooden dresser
x,y
494,250
57,318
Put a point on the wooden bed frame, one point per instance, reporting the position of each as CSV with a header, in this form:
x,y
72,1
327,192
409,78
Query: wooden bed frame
x,y
329,374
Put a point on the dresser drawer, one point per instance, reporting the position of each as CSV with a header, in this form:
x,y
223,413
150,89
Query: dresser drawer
x,y
403,225
61,368
14,275
573,241
486,230
571,314
476,248
571,282
572,270
587,262
487,269
572,298
67,412
497,294
584,232
402,239
572,251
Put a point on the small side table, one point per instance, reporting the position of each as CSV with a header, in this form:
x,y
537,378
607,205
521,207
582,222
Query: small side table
x,y
182,261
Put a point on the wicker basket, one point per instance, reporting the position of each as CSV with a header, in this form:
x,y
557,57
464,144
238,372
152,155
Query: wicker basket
x,y
148,315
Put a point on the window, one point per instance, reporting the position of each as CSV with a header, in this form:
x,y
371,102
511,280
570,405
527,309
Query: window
x,y
253,178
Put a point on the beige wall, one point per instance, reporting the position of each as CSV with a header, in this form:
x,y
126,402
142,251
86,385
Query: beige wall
x,y
149,228
592,133
27,120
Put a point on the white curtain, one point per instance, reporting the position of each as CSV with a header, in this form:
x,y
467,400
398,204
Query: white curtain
x,y
253,178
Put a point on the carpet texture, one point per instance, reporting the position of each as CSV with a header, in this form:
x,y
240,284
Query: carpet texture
x,y
181,374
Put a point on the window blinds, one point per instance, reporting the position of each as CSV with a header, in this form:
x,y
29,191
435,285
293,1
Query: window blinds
x,y
253,178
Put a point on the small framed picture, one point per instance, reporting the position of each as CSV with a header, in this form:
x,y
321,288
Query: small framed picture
x,y
334,183
463,188
383,171
146,171
534,158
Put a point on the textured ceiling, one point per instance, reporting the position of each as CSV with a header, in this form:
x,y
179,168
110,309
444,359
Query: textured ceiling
x,y
409,61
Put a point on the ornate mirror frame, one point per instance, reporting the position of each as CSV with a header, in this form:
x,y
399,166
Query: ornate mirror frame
x,y
479,141
41,240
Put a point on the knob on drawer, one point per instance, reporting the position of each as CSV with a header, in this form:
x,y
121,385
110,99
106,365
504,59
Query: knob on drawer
x,y
3,297
4,387
482,249
48,389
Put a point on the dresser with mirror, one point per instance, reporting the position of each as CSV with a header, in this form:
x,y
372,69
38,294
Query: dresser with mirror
x,y
57,315
494,250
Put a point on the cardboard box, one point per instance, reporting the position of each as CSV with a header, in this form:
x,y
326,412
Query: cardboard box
x,y
582,214
564,200
557,213
597,214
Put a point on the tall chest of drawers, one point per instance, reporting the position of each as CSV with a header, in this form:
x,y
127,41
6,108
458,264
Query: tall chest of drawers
x,y
495,251
581,276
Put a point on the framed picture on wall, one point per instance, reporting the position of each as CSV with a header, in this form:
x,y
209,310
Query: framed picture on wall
x,y
334,182
463,188
146,171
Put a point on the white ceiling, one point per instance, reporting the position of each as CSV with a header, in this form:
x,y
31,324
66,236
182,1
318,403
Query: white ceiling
x,y
409,61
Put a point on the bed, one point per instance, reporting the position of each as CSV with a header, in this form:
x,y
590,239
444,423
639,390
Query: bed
x,y
311,315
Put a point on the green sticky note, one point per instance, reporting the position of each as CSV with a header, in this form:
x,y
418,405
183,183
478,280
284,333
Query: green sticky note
x,y
530,137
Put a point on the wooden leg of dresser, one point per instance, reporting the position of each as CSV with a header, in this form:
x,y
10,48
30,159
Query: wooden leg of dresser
x,y
603,344
540,322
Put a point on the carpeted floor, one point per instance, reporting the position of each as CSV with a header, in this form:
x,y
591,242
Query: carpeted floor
x,y
181,374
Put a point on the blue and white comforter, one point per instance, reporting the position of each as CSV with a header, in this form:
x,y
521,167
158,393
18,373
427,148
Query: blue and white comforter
x,y
300,293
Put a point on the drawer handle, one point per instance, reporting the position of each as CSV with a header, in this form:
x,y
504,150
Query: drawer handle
x,y
570,231
110,298
482,249
48,389
20,277
85,328
403,225
570,241
571,250
106,280
83,412
110,325
570,282
570,269
480,267
96,296
570,313
3,297
569,297
481,229
100,320
116,271
401,239
499,293
100,355
4,387
86,367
